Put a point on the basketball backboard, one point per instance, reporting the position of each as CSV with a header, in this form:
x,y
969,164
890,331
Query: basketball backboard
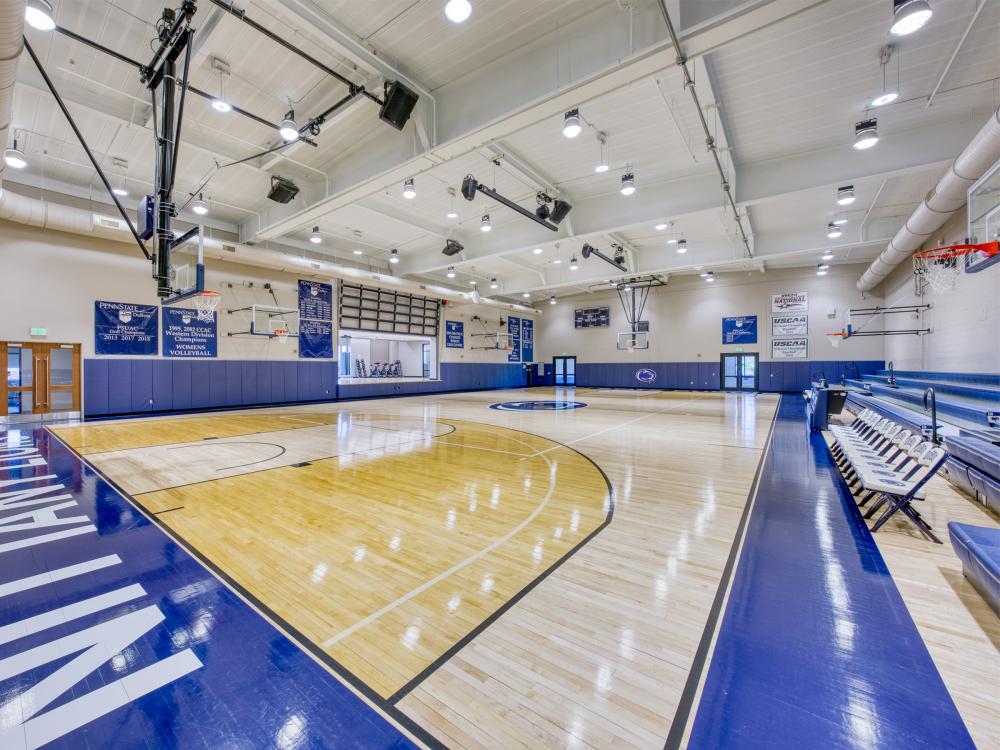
x,y
631,340
187,266
266,320
984,218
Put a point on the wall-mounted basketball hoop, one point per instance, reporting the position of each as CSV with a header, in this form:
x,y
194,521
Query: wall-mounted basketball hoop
x,y
207,302
940,267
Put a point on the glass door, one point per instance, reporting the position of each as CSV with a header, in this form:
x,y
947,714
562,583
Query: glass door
x,y
42,381
564,369
739,372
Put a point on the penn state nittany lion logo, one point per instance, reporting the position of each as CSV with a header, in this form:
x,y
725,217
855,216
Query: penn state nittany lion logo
x,y
645,375
186,318
125,316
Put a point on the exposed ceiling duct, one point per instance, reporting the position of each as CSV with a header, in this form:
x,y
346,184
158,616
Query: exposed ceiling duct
x,y
948,196
11,43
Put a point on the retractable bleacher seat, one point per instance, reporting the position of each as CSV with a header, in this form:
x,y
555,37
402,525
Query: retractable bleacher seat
x,y
979,550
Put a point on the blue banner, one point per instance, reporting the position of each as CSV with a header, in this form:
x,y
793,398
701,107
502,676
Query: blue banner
x,y
186,336
527,340
315,300
454,334
315,339
739,330
514,329
122,328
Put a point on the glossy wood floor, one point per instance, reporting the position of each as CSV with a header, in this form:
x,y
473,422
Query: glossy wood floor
x,y
386,531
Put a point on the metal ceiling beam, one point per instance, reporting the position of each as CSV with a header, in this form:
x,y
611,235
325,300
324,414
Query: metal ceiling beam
x,y
506,96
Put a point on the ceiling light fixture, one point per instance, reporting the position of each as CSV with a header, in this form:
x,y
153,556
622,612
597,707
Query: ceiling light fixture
x,y
552,299
865,134
526,295
573,265
840,221
660,227
708,276
537,251
833,231
289,131
409,190
571,124
682,246
888,95
628,183
484,224
826,256
199,206
358,251
219,103
14,157
394,256
451,272
493,283
557,261
473,282
315,237
909,16
886,98
602,166
821,269
121,192
452,213
458,11
845,195
38,14
672,241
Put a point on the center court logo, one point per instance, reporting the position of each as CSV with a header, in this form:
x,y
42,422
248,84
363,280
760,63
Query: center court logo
x,y
645,375
533,405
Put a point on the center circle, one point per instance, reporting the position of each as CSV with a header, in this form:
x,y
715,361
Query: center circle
x,y
542,405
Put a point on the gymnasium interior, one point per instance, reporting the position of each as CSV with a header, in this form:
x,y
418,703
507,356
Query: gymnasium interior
x,y
500,374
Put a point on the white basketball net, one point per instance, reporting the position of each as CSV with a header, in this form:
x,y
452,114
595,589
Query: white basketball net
x,y
282,335
940,274
206,302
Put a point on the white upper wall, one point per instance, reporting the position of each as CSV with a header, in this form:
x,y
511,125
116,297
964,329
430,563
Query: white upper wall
x,y
686,318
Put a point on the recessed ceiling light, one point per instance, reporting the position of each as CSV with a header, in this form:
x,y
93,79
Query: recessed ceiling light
x,y
909,16
38,14
865,134
660,227
458,11
845,195
571,123
537,251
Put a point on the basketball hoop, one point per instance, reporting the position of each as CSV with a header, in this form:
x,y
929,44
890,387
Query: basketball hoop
x,y
835,338
206,302
282,335
940,266
631,347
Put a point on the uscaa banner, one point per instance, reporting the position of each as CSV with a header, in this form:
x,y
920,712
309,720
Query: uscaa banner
x,y
123,328
789,348
315,339
790,325
186,336
739,330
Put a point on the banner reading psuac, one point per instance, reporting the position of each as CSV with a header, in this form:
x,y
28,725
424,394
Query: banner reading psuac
x,y
315,300
514,329
124,328
527,340
186,336
315,320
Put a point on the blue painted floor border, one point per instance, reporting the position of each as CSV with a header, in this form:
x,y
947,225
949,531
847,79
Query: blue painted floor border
x,y
112,635
816,647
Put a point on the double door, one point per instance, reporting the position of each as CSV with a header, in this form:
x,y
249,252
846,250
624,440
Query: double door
x,y
739,372
564,369
42,381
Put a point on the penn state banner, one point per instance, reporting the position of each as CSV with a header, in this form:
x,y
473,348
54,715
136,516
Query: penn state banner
x,y
186,336
124,328
315,300
739,330
514,329
527,340
454,336
315,339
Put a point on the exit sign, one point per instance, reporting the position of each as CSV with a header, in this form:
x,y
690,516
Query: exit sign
x,y
39,331
739,348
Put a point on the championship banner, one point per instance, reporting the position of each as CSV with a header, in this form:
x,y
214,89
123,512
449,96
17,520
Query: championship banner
x,y
789,325
790,348
123,328
789,302
315,300
527,340
454,334
315,339
739,330
514,329
186,336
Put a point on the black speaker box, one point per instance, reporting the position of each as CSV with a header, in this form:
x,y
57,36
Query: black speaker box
x,y
282,190
399,103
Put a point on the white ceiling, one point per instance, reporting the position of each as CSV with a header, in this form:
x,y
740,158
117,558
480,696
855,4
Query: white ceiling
x,y
795,87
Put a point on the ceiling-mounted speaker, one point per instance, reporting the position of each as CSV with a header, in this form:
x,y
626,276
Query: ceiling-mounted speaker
x,y
451,247
469,187
282,190
560,210
587,250
399,103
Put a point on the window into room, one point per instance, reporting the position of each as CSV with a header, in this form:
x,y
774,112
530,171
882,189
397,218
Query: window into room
x,y
369,355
